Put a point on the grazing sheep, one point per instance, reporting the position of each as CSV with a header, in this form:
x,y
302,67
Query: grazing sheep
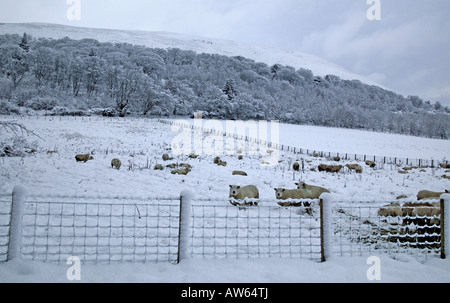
x,y
239,173
158,167
116,163
445,165
296,166
391,210
337,159
356,167
241,193
83,158
182,171
216,160
330,168
172,165
240,157
185,165
222,163
193,156
316,191
429,195
166,157
370,163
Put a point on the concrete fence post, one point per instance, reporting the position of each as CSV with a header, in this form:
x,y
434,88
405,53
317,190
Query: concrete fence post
x,y
184,225
19,195
326,226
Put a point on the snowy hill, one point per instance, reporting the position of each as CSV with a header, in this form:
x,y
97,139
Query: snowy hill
x,y
164,40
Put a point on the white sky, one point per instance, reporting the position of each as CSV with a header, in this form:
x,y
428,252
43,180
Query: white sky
x,y
408,50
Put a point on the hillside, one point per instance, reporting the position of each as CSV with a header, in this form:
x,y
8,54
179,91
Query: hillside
x,y
164,40
82,77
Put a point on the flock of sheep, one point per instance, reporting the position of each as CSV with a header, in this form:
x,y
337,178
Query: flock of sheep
x,y
249,195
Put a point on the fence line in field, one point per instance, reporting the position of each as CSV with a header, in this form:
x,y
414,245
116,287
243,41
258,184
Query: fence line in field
x,y
97,229
314,153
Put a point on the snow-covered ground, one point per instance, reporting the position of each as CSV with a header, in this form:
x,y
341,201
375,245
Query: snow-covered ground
x,y
338,270
140,143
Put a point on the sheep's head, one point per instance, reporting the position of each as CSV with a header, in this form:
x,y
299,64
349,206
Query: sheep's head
x,y
234,190
300,185
279,192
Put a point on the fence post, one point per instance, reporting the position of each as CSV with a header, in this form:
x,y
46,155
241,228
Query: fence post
x,y
15,231
184,225
445,224
326,225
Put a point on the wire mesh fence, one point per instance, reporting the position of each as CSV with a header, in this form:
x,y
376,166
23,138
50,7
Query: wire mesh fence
x,y
368,228
100,230
5,221
144,230
267,230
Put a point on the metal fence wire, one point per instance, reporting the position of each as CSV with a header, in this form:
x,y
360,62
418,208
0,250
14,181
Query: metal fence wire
x,y
5,223
360,229
100,231
266,230
144,230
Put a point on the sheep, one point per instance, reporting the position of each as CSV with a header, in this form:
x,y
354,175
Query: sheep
x,y
116,163
158,167
166,157
356,167
241,193
83,158
330,168
429,195
444,165
295,194
219,162
239,173
185,165
296,166
316,191
391,210
370,163
193,156
182,171
222,163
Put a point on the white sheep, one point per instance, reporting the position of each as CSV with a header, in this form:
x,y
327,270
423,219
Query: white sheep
x,y
316,191
242,193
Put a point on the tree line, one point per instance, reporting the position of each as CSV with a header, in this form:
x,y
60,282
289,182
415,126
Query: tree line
x,y
78,75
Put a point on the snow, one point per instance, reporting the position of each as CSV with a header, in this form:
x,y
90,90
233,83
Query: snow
x,y
140,143
336,270
266,54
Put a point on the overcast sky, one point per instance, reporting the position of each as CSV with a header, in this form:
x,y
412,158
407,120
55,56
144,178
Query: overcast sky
x,y
407,50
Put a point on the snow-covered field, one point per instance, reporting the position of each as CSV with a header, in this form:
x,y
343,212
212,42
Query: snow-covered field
x,y
140,143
